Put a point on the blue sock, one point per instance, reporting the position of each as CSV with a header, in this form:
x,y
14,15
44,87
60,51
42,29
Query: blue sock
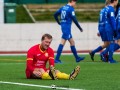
x,y
116,46
59,51
111,51
73,49
106,50
97,50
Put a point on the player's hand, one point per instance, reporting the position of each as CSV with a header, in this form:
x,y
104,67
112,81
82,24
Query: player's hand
x,y
37,73
59,23
98,34
81,29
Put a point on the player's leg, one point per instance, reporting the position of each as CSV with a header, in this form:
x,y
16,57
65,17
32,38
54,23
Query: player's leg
x,y
117,46
40,73
56,74
59,51
98,49
74,73
74,51
111,47
117,43
72,76
52,73
104,38
61,75
104,54
111,51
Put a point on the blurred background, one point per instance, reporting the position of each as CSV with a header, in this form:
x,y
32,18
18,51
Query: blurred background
x,y
86,10
23,22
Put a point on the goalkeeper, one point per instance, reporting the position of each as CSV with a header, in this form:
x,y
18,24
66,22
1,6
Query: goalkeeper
x,y
37,58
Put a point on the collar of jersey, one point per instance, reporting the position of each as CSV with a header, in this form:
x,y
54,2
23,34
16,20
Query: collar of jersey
x,y
41,49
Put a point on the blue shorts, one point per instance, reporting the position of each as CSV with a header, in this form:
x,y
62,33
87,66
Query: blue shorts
x,y
67,36
106,35
66,32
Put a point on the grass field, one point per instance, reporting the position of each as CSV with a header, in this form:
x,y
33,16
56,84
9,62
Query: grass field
x,y
93,76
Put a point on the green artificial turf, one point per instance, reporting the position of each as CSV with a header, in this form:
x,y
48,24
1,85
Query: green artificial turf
x,y
95,75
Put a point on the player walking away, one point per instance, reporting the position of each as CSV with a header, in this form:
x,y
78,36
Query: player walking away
x,y
116,44
37,58
101,28
109,22
67,15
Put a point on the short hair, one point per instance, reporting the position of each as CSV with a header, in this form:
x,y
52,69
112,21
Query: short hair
x,y
46,35
112,1
107,2
72,0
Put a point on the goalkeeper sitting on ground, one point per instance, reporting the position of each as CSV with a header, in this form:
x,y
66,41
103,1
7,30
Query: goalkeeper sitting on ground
x,y
37,58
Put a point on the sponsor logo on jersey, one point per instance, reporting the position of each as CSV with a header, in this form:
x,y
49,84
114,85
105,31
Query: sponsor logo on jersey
x,y
38,54
46,54
73,13
112,14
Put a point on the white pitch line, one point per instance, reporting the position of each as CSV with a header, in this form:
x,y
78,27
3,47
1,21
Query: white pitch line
x,y
41,86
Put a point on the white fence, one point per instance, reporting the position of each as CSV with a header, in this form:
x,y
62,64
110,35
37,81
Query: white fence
x,y
20,37
1,11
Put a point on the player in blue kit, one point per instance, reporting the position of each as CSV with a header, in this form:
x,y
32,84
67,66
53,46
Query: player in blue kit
x,y
118,26
116,44
67,15
101,28
107,20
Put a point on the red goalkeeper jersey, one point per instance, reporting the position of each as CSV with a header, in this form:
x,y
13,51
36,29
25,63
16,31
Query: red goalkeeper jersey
x,y
36,58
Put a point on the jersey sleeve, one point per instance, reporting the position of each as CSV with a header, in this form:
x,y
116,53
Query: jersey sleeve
x,y
56,14
118,19
30,57
51,57
112,19
74,19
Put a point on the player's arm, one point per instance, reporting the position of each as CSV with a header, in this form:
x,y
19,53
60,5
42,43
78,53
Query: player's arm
x,y
76,23
112,19
75,20
56,14
51,58
30,61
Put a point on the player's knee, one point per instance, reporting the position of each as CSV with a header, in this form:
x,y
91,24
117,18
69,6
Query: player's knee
x,y
118,42
72,43
57,71
106,44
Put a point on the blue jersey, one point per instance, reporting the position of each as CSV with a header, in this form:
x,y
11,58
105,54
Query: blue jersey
x,y
66,12
67,15
118,19
110,23
101,24
107,23
118,23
